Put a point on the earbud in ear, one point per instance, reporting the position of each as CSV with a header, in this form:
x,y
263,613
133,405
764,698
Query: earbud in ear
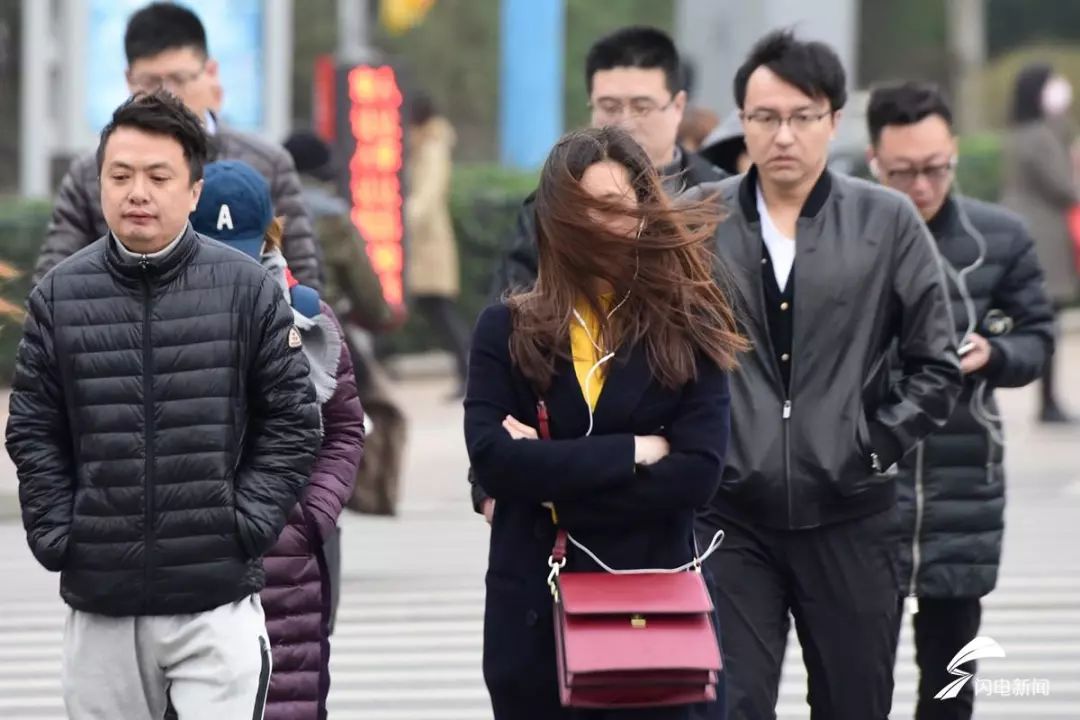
x,y
875,169
955,161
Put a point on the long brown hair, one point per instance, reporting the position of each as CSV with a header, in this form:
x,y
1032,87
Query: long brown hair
x,y
673,307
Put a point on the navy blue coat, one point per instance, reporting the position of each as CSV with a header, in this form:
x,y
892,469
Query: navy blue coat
x,y
631,517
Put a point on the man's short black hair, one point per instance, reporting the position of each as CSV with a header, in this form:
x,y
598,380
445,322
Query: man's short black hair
x,y
162,26
161,113
905,103
813,67
637,47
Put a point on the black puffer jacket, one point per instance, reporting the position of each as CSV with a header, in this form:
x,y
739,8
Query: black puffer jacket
x,y
162,424
952,486
77,220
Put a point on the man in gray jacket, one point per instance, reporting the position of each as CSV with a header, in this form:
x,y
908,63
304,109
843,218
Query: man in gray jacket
x,y
830,273
166,48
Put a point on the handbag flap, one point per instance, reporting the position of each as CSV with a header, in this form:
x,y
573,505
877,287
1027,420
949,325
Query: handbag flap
x,y
641,594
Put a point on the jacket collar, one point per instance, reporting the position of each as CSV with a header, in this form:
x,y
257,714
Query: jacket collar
x,y
815,201
947,219
158,270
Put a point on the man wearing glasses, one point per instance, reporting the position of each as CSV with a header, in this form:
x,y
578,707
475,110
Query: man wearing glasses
x,y
952,488
830,272
166,49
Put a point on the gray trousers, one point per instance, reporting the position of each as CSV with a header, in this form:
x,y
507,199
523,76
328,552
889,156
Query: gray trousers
x,y
214,664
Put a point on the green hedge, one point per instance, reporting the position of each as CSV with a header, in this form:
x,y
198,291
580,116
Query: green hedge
x,y
22,226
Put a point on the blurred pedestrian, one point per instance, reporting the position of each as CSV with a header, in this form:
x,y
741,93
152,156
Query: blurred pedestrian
x,y
725,147
831,272
1040,185
297,598
166,48
637,397
952,488
432,275
163,424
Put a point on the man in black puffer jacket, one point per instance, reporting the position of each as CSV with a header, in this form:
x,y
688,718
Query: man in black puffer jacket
x,y
162,424
952,486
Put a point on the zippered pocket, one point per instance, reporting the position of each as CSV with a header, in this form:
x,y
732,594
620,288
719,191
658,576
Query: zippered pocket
x,y
264,680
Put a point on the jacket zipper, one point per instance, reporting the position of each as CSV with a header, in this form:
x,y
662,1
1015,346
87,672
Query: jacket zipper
x,y
916,552
148,401
786,417
989,458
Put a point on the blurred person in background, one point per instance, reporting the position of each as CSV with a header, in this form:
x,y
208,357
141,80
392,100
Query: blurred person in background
x,y
432,272
355,293
163,425
635,80
637,395
952,488
725,147
831,273
166,48
1040,185
235,208
696,125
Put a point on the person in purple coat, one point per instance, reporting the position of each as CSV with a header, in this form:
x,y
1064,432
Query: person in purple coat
x,y
235,208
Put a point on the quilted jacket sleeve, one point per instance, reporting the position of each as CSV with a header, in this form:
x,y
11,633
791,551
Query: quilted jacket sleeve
x,y
284,428
334,474
38,439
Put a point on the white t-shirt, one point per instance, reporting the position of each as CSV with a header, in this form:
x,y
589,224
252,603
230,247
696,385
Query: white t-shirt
x,y
781,248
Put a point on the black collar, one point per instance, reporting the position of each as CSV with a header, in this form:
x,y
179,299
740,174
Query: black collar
x,y
814,202
157,271
946,220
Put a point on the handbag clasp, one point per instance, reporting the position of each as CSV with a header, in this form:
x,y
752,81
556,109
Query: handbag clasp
x,y
556,566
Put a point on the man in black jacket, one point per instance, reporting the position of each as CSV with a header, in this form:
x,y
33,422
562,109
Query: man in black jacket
x,y
830,273
162,424
166,48
635,79
952,488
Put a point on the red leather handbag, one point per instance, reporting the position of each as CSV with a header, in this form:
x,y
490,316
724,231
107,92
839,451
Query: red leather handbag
x,y
632,639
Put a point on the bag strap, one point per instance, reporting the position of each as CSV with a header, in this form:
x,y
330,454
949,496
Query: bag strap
x,y
557,560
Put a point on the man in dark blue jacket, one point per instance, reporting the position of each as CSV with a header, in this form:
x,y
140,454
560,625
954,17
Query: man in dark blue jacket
x,y
952,487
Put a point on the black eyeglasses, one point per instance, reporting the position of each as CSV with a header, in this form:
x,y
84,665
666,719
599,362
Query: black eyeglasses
x,y
936,173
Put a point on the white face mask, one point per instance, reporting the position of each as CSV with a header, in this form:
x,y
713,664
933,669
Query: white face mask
x,y
1057,96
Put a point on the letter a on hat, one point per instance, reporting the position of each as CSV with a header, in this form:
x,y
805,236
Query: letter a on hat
x,y
224,218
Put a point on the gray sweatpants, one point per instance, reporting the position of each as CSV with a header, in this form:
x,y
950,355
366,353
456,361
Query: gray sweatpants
x,y
214,664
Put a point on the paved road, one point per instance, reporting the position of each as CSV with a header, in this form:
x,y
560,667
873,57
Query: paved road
x,y
408,640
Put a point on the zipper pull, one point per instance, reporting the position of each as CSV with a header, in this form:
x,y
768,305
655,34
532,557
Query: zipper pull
x,y
787,409
144,263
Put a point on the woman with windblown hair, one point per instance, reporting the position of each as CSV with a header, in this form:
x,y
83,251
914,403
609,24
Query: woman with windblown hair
x,y
628,341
